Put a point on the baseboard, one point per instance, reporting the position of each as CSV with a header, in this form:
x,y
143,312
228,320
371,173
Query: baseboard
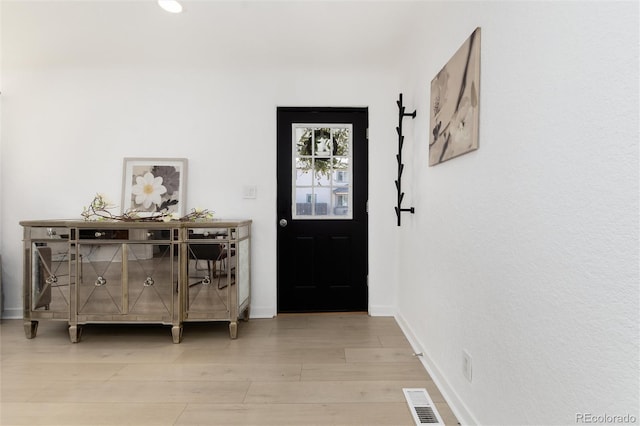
x,y
458,407
12,313
382,311
261,312
257,313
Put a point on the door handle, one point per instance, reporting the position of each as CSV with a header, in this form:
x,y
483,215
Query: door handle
x,y
283,223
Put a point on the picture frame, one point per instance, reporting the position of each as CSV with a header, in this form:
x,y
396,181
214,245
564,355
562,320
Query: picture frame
x,y
153,185
455,104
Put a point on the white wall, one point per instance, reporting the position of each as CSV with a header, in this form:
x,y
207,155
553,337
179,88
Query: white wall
x,y
88,83
525,252
1,197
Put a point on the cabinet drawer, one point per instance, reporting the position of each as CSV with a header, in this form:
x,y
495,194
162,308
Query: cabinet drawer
x,y
37,233
207,234
125,234
103,234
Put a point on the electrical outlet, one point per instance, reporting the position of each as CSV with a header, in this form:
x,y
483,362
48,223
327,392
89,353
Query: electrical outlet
x,y
467,368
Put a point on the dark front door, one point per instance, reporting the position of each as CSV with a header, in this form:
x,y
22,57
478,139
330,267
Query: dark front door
x,y
322,209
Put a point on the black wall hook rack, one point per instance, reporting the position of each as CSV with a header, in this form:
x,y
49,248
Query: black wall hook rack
x,y
401,114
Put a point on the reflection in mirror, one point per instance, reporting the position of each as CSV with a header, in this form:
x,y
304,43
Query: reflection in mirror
x,y
243,270
152,270
50,277
208,277
100,280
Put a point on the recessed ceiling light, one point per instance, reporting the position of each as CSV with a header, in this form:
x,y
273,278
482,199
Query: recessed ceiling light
x,y
170,6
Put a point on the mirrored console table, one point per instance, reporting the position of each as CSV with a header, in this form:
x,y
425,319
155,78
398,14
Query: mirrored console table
x,y
136,272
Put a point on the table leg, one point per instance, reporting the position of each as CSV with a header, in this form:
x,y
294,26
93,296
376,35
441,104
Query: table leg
x,y
30,329
245,315
176,332
75,331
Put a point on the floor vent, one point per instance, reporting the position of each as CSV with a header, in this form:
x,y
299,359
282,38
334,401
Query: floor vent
x,y
421,407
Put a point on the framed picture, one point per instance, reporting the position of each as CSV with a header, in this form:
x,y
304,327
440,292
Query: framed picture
x,y
455,96
152,185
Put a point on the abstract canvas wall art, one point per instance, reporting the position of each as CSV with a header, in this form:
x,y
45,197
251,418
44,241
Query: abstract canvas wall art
x,y
455,95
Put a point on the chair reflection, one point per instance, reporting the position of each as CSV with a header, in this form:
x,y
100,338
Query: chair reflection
x,y
213,254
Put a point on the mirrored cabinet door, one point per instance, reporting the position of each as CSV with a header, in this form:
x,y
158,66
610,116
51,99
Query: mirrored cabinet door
x,y
152,281
50,279
127,281
100,289
208,277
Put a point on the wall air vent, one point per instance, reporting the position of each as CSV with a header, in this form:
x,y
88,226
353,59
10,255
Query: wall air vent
x,y
421,407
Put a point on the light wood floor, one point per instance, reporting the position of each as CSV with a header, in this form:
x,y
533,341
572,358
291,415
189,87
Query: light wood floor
x,y
346,369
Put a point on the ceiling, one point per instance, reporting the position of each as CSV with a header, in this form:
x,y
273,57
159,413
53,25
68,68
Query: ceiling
x,y
208,33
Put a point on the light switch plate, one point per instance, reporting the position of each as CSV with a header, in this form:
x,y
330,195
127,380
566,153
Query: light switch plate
x,y
249,192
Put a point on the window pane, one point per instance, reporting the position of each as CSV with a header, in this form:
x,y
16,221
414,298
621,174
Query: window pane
x,y
322,201
341,139
322,139
323,171
304,198
340,177
322,166
303,140
341,164
341,200
304,167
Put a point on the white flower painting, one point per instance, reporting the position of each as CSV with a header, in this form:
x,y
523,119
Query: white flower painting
x,y
148,190
455,104
154,185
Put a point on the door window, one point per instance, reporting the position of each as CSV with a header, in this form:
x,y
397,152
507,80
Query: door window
x,y
322,162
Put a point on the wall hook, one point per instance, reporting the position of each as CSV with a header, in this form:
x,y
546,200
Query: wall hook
x,y
401,115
